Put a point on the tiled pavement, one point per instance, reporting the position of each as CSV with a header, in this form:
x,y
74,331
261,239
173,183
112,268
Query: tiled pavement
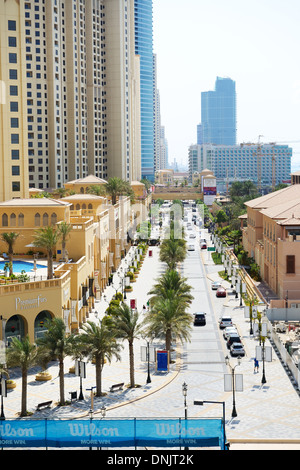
x,y
268,413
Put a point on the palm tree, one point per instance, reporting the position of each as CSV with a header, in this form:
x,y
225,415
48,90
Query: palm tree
x,y
171,285
172,252
97,189
58,344
116,187
9,238
47,238
64,229
23,354
127,326
100,343
167,318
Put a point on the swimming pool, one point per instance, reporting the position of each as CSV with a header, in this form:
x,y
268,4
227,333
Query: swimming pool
x,y
19,266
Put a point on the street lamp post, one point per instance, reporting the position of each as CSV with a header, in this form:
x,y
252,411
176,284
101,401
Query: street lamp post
x,y
201,403
184,392
148,360
234,413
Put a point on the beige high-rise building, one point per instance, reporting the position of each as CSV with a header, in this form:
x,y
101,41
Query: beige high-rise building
x,y
78,84
13,106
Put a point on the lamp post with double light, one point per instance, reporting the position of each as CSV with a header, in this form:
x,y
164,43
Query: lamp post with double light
x,y
233,383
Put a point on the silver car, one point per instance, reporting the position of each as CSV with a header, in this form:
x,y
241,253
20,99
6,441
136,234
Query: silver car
x,y
237,349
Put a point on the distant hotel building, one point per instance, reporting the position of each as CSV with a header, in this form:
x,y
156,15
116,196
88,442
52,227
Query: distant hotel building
x,y
218,114
241,163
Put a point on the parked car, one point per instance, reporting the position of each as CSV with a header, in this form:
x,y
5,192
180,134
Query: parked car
x,y
221,292
225,321
199,318
237,349
229,330
215,285
192,235
191,247
233,339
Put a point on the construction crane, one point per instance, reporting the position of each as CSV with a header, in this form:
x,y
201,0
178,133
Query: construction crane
x,y
258,157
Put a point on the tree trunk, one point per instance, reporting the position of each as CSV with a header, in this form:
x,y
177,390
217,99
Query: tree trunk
x,y
63,246
61,382
131,364
10,257
168,339
99,367
50,264
24,393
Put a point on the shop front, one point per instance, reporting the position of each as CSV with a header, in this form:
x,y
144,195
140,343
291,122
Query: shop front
x,y
26,307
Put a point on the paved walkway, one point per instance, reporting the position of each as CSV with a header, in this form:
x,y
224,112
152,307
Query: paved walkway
x,y
266,413
116,372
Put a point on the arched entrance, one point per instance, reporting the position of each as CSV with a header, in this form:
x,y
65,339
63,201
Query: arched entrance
x,y
14,328
39,323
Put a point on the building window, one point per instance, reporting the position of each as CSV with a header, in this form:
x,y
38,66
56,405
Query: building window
x,y
13,220
16,186
14,122
290,264
14,106
37,220
13,90
45,220
15,154
21,220
12,58
53,219
14,138
4,220
13,74
12,41
15,170
12,25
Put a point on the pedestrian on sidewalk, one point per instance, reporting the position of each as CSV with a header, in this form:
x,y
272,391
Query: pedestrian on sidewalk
x,y
256,365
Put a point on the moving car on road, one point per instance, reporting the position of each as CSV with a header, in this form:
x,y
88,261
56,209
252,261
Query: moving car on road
x,y
199,318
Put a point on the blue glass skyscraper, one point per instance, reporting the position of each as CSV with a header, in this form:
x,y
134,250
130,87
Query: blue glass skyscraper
x,y
218,113
143,12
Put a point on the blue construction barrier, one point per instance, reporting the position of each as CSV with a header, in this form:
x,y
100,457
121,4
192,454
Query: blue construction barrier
x,y
112,433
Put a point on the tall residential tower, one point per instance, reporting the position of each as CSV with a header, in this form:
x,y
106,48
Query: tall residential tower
x,y
144,48
72,69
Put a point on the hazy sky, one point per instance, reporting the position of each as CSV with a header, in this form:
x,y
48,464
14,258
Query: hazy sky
x,y
256,43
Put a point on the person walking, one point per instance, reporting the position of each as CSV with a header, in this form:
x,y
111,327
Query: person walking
x,y
256,365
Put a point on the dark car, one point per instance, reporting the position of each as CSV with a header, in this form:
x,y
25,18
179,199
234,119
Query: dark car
x,y
153,242
199,319
233,339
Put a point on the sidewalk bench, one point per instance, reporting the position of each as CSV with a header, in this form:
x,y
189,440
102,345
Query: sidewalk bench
x,y
45,404
116,387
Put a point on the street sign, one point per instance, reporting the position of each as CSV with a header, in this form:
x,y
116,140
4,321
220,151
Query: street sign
x,y
211,248
238,382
